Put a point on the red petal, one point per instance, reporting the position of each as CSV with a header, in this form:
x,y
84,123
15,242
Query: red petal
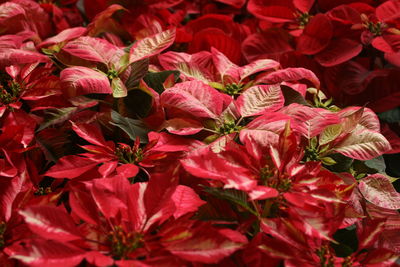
x,y
82,81
185,200
289,75
379,190
382,44
110,195
311,121
370,233
234,3
196,98
345,14
338,51
46,253
183,126
276,11
388,11
90,133
82,204
92,7
9,190
260,99
230,166
98,259
204,244
18,56
105,22
393,58
170,143
70,166
107,168
316,35
151,45
65,35
92,49
127,170
51,223
263,192
224,66
213,37
303,5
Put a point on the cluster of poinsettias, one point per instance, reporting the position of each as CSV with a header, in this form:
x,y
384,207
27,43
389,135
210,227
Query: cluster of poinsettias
x,y
141,140
352,46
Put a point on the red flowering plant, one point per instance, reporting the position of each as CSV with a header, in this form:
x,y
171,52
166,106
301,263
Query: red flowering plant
x,y
199,133
122,158
129,226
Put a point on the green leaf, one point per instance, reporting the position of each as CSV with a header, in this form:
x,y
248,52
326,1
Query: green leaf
x,y
391,179
328,161
54,143
377,164
292,96
343,163
138,70
118,88
138,103
56,116
390,116
236,196
330,133
216,210
348,242
211,138
48,52
130,126
155,80
392,164
124,60
313,142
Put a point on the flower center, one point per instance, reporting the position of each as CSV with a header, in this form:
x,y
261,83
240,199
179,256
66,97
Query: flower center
x,y
111,74
122,243
325,256
269,177
375,28
127,154
233,89
311,154
42,191
228,128
303,19
9,92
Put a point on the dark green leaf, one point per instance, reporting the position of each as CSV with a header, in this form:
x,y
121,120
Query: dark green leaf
x,y
348,242
56,116
128,48
138,103
53,143
155,79
377,164
292,96
343,163
138,71
216,209
130,126
392,164
390,116
232,195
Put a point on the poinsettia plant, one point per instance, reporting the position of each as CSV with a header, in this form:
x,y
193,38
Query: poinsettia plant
x,y
199,133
